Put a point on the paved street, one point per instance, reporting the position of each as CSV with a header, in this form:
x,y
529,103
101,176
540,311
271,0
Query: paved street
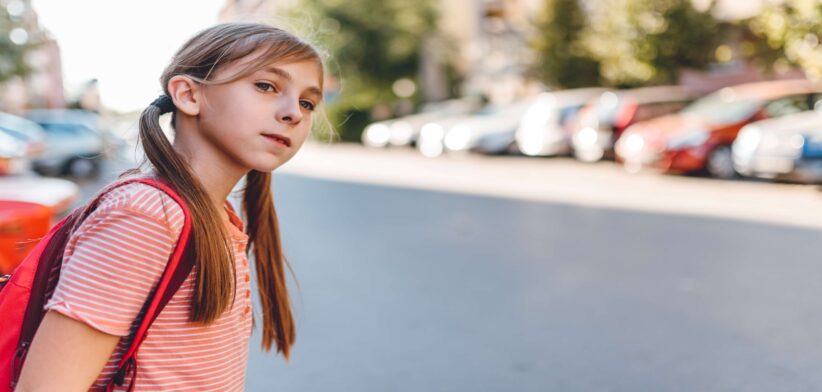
x,y
417,275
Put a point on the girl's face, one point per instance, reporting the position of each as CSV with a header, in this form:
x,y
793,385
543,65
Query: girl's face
x,y
261,120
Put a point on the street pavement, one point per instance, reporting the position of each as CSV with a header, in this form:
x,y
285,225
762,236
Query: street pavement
x,y
514,274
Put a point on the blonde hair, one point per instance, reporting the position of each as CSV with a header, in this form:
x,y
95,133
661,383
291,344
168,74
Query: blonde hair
x,y
199,58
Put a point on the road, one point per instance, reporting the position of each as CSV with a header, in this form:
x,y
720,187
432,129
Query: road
x,y
419,275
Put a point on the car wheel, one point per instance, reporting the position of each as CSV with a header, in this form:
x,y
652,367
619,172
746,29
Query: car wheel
x,y
720,163
82,167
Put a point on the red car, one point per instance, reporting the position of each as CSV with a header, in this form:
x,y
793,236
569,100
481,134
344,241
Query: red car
x,y
21,225
28,206
602,121
699,137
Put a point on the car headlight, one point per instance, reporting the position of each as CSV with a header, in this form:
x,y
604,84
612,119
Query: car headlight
x,y
376,135
430,143
797,142
748,140
401,133
432,131
634,143
689,140
457,138
586,137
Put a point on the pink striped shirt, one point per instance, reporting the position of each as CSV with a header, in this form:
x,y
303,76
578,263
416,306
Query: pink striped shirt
x,y
112,262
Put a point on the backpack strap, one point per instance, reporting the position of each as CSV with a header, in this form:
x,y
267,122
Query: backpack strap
x,y
177,270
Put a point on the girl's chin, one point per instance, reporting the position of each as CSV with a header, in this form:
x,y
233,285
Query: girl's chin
x,y
267,166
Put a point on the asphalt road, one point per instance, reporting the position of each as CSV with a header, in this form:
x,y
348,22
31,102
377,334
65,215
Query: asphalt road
x,y
404,289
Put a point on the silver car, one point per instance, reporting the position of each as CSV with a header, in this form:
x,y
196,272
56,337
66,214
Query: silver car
x,y
75,143
545,126
786,148
405,131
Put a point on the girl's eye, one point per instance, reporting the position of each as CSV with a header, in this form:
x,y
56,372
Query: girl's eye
x,y
265,86
308,105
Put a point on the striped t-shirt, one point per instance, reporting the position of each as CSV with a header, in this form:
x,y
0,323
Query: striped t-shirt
x,y
112,262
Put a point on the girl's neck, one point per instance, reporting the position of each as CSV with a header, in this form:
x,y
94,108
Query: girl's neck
x,y
217,174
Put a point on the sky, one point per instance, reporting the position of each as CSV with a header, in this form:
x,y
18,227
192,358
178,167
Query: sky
x,y
124,44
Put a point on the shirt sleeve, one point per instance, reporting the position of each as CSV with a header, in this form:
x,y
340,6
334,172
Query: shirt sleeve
x,y
118,257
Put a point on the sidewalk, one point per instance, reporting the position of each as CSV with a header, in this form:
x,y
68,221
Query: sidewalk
x,y
563,180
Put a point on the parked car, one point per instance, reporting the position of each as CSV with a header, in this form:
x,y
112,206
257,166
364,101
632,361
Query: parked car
x,y
13,158
404,131
491,132
27,132
545,127
28,206
602,121
74,145
699,137
111,142
467,132
21,223
788,148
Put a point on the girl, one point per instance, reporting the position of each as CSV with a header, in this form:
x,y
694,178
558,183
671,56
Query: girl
x,y
242,98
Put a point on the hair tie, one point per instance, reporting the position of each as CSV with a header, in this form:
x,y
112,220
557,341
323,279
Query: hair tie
x,y
164,103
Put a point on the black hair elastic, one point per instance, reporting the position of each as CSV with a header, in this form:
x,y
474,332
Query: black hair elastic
x,y
164,103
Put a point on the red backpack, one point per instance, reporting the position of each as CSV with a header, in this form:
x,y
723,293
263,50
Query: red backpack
x,y
24,293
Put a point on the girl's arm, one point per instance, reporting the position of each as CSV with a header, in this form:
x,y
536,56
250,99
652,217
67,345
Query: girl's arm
x,y
65,355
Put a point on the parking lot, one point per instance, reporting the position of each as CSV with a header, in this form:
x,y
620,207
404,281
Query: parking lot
x,y
564,180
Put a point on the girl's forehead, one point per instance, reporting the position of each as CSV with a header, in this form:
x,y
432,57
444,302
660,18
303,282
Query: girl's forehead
x,y
253,64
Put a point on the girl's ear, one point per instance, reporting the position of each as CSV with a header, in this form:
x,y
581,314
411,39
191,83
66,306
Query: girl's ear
x,y
185,93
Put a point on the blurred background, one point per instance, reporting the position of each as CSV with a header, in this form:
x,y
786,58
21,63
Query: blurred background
x,y
507,195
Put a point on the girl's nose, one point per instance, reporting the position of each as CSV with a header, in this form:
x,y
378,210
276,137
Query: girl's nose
x,y
289,113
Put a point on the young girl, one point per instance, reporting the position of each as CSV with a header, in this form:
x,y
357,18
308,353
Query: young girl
x,y
242,98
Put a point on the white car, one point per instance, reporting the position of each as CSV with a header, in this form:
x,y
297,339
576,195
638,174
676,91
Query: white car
x,y
785,148
544,129
404,131
491,130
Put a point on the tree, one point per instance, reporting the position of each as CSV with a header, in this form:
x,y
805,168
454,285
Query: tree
x,y
793,29
561,59
646,41
373,43
12,54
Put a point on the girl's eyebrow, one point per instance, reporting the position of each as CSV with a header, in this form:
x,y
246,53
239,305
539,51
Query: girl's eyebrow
x,y
313,90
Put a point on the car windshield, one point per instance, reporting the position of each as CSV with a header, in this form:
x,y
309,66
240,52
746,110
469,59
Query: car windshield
x,y
568,112
66,129
720,109
20,125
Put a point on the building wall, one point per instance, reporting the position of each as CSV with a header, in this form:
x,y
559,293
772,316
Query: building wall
x,y
43,88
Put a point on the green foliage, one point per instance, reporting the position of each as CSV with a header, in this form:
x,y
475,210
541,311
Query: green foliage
x,y
562,60
646,41
372,44
12,56
793,30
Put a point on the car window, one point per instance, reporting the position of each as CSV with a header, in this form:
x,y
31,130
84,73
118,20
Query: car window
x,y
722,108
55,129
19,124
787,105
656,109
567,113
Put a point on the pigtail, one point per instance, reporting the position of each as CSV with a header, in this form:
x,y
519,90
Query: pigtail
x,y
264,235
215,280
214,266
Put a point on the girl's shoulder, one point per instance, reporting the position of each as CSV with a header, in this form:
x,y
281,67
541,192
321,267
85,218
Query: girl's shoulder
x,y
144,200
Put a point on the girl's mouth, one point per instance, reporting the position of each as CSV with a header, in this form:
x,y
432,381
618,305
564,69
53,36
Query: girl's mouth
x,y
284,140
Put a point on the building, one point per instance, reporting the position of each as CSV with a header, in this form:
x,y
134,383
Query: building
x,y
43,88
